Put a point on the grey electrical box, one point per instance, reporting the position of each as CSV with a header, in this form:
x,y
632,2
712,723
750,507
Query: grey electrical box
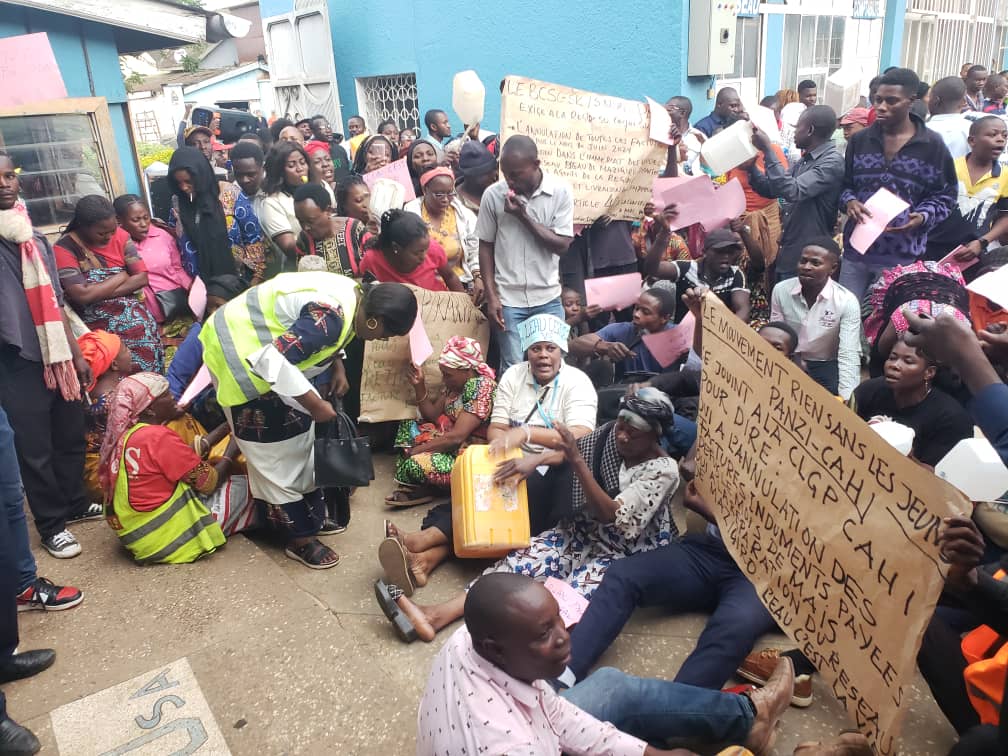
x,y
711,37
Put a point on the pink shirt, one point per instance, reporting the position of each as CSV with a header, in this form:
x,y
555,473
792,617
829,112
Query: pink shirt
x,y
425,275
161,255
472,706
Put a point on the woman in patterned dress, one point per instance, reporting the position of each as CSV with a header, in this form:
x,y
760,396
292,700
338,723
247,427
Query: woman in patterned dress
x,y
622,489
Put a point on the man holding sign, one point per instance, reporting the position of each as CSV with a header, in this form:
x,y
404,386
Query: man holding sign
x,y
526,221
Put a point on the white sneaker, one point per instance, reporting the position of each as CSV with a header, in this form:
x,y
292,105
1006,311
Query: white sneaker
x,y
62,545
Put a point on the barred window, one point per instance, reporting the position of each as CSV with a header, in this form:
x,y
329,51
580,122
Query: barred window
x,y
393,96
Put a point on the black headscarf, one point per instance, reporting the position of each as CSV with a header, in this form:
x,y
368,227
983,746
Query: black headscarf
x,y
202,215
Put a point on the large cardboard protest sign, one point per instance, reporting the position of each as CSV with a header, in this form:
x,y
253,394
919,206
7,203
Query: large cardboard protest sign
x,y
837,530
599,144
386,393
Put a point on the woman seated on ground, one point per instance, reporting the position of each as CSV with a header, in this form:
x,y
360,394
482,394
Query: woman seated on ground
x,y
167,504
286,171
621,504
405,253
905,395
376,152
168,283
532,398
622,344
452,225
337,240
101,273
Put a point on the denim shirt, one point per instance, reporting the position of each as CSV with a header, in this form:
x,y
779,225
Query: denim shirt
x,y
922,173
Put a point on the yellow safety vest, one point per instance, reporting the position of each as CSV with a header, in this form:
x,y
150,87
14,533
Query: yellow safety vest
x,y
179,531
249,322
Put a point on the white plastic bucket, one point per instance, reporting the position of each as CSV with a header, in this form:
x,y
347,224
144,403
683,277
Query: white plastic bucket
x,y
729,148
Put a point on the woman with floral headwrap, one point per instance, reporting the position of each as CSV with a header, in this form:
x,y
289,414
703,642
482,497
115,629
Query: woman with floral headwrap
x,y
623,483
454,418
166,504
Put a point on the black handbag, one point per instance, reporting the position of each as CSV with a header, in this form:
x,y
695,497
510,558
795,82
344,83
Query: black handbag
x,y
173,303
342,458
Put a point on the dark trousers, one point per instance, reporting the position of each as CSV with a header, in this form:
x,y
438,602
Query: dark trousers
x,y
694,575
10,482
49,437
826,373
942,664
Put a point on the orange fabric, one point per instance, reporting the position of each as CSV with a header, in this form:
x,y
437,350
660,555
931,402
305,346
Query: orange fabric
x,y
754,201
99,349
986,652
983,315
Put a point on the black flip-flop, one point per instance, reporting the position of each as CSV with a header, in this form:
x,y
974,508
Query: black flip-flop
x,y
403,627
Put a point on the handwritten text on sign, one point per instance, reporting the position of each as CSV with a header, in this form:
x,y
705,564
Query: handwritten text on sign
x,y
836,529
386,393
597,143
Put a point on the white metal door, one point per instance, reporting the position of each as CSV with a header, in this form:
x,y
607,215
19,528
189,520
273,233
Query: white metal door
x,y
302,68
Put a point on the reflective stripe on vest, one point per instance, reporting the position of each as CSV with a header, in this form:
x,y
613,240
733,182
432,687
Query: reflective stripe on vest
x,y
248,323
986,653
180,530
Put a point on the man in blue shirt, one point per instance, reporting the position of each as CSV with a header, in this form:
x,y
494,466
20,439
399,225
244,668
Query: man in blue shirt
x,y
727,109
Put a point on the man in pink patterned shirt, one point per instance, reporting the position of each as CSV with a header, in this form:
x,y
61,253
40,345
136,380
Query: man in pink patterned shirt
x,y
486,691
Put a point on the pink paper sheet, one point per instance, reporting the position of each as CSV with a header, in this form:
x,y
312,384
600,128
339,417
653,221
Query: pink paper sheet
x,y
661,122
29,71
950,259
419,342
572,604
668,346
396,171
197,297
613,292
698,201
883,206
199,382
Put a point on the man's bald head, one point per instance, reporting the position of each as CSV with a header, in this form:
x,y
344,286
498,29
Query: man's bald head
x,y
520,146
728,105
515,624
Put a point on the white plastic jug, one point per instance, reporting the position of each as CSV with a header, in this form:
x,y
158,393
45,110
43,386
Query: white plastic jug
x,y
729,148
899,436
976,469
386,194
468,97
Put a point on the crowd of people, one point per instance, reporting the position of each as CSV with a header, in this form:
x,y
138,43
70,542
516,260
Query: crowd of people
x,y
170,374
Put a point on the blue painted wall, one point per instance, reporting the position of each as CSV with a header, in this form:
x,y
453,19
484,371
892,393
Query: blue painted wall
x,y
595,45
80,46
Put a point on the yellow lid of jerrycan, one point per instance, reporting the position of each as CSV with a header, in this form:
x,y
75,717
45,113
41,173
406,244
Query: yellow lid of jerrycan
x,y
489,519
468,97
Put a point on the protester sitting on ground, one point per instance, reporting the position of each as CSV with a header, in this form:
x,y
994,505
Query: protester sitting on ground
x,y
101,272
457,417
924,286
320,168
404,252
286,171
167,504
493,671
717,269
531,398
375,152
295,331
218,230
353,200
622,344
478,170
338,241
420,158
983,185
753,264
621,504
644,235
827,316
905,394
451,225
900,154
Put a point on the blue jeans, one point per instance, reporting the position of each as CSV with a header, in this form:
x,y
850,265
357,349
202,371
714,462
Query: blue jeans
x,y
510,344
13,497
659,710
857,276
695,575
